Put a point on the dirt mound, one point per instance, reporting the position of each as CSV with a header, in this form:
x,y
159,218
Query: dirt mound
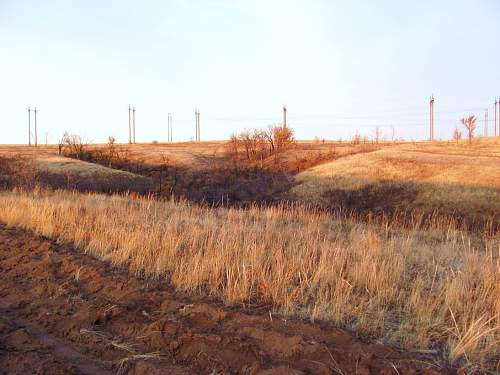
x,y
64,312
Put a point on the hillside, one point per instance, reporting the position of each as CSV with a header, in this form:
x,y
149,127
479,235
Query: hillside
x,y
55,171
452,179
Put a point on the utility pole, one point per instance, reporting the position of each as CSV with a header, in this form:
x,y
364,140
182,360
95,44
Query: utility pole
x,y
133,120
496,117
486,122
431,122
46,138
498,102
171,128
168,127
197,125
129,125
36,132
29,126
284,117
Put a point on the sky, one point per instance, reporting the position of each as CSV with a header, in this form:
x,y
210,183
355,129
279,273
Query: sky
x,y
340,67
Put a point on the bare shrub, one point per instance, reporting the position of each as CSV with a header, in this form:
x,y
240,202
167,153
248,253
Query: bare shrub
x,y
71,145
257,144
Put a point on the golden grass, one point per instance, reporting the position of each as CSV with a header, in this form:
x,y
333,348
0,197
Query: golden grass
x,y
61,172
434,289
445,177
193,155
83,169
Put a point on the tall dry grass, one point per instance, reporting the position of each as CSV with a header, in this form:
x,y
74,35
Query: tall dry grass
x,y
437,289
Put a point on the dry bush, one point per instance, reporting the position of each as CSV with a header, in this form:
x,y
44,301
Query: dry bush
x,y
71,145
436,289
259,144
283,137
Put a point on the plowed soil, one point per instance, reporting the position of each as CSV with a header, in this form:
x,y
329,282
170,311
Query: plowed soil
x,y
63,312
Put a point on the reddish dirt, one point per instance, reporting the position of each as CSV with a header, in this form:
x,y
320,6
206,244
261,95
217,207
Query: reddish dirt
x,y
63,312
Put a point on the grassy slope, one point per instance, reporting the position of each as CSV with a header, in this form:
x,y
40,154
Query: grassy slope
x,y
61,172
400,286
190,154
63,165
459,180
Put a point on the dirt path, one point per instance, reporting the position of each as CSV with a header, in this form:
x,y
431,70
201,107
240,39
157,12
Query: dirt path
x,y
62,312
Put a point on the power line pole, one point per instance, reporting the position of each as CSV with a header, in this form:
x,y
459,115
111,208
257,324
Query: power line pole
x,y
486,122
197,125
170,129
284,117
129,125
46,138
495,117
431,122
133,120
498,102
36,132
29,126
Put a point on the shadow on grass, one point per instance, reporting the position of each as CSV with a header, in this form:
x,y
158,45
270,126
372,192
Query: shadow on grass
x,y
17,172
475,208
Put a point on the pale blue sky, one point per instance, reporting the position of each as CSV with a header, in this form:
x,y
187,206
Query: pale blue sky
x,y
337,65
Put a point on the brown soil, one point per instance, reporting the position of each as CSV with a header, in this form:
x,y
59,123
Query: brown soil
x,y
63,312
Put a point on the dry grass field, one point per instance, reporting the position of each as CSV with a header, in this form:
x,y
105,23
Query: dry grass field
x,y
190,154
201,172
448,178
437,289
409,274
61,172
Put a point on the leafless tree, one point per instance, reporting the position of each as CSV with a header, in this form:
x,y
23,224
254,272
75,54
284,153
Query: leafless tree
x,y
268,135
470,125
457,135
